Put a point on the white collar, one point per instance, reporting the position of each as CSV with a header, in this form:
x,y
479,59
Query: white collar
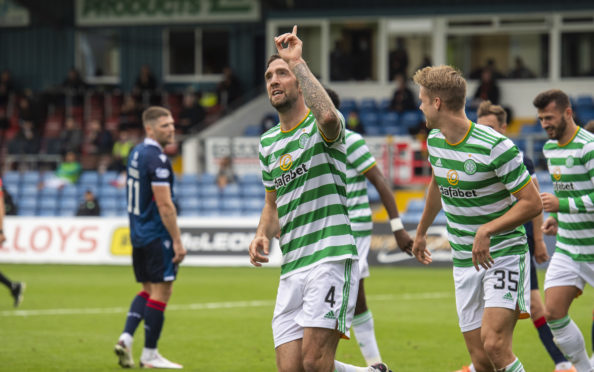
x,y
152,142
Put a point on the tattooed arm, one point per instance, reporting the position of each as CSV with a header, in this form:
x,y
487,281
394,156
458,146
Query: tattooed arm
x,y
314,93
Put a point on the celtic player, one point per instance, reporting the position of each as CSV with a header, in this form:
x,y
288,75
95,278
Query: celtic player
x,y
303,169
570,158
477,170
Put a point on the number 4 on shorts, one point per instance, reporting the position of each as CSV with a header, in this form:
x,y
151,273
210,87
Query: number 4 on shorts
x,y
330,297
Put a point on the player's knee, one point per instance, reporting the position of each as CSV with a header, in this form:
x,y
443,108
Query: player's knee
x,y
552,313
495,346
316,361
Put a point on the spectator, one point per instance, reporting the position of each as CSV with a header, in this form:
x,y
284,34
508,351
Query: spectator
x,y
7,87
354,123
426,62
490,65
229,89
226,176
130,114
98,146
520,71
339,62
27,110
402,99
67,173
487,89
71,138
74,87
398,59
89,206
120,151
146,81
191,117
26,141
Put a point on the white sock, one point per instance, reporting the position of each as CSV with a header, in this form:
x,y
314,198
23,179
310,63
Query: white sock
x,y
365,335
127,339
471,368
147,353
515,366
342,367
562,366
570,341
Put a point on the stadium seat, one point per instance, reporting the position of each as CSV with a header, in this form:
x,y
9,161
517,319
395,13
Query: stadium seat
x,y
11,177
252,206
411,218
253,191
584,102
252,130
231,205
29,191
190,203
188,191
415,205
209,205
207,179
441,218
105,212
348,105
89,177
49,192
27,203
372,194
68,203
13,190
69,191
188,179
231,191
374,130
250,179
384,104
26,212
109,177
369,118
189,212
209,191
108,191
368,104
410,119
30,178
390,119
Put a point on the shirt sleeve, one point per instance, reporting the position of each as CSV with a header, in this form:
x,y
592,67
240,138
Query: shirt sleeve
x,y
358,154
265,164
508,165
582,203
158,169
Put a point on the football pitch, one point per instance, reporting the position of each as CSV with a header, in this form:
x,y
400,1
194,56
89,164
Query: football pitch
x,y
219,320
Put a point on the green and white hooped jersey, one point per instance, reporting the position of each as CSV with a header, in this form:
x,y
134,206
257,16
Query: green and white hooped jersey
x,y
308,174
572,171
476,178
359,161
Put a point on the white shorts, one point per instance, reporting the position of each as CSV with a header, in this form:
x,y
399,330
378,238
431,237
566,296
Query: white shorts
x,y
323,297
506,284
363,243
564,271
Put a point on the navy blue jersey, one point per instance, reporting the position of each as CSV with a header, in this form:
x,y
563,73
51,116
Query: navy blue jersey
x,y
147,166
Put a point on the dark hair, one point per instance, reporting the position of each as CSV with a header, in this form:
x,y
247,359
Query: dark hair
x,y
333,97
272,58
487,108
153,113
543,99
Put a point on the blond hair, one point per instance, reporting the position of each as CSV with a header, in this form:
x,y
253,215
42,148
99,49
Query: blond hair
x,y
444,82
486,108
153,113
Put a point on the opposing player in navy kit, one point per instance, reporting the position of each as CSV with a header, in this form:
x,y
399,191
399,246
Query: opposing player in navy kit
x,y
155,235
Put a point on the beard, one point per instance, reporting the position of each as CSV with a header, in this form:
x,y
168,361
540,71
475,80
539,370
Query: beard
x,y
558,131
283,105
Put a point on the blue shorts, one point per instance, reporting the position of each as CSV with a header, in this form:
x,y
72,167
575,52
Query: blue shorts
x,y
152,262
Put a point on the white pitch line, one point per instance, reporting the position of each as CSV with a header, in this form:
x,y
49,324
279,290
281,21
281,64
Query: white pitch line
x,y
207,305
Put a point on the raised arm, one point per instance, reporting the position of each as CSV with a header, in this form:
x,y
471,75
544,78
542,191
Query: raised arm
x,y
314,93
376,177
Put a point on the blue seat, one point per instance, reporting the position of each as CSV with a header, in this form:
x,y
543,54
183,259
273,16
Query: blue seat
x,y
48,204
30,178
188,190
188,179
23,211
231,191
584,101
89,177
441,218
189,212
411,218
68,203
108,212
415,205
390,119
29,191
369,118
13,190
348,104
207,179
108,191
472,115
253,191
372,194
252,205
410,119
231,204
48,212
66,212
368,104
210,204
250,179
252,130
69,191
11,177
27,203
209,191
543,177
109,177
374,130
384,104
49,192
190,203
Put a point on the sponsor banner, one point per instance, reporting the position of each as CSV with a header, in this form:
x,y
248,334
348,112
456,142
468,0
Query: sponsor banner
x,y
209,242
135,12
244,150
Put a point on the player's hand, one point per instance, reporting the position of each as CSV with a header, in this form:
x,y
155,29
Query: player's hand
x,y
259,250
550,203
294,46
540,251
419,249
404,241
180,252
550,226
481,254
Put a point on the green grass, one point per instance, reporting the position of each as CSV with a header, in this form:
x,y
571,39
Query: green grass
x,y
414,311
